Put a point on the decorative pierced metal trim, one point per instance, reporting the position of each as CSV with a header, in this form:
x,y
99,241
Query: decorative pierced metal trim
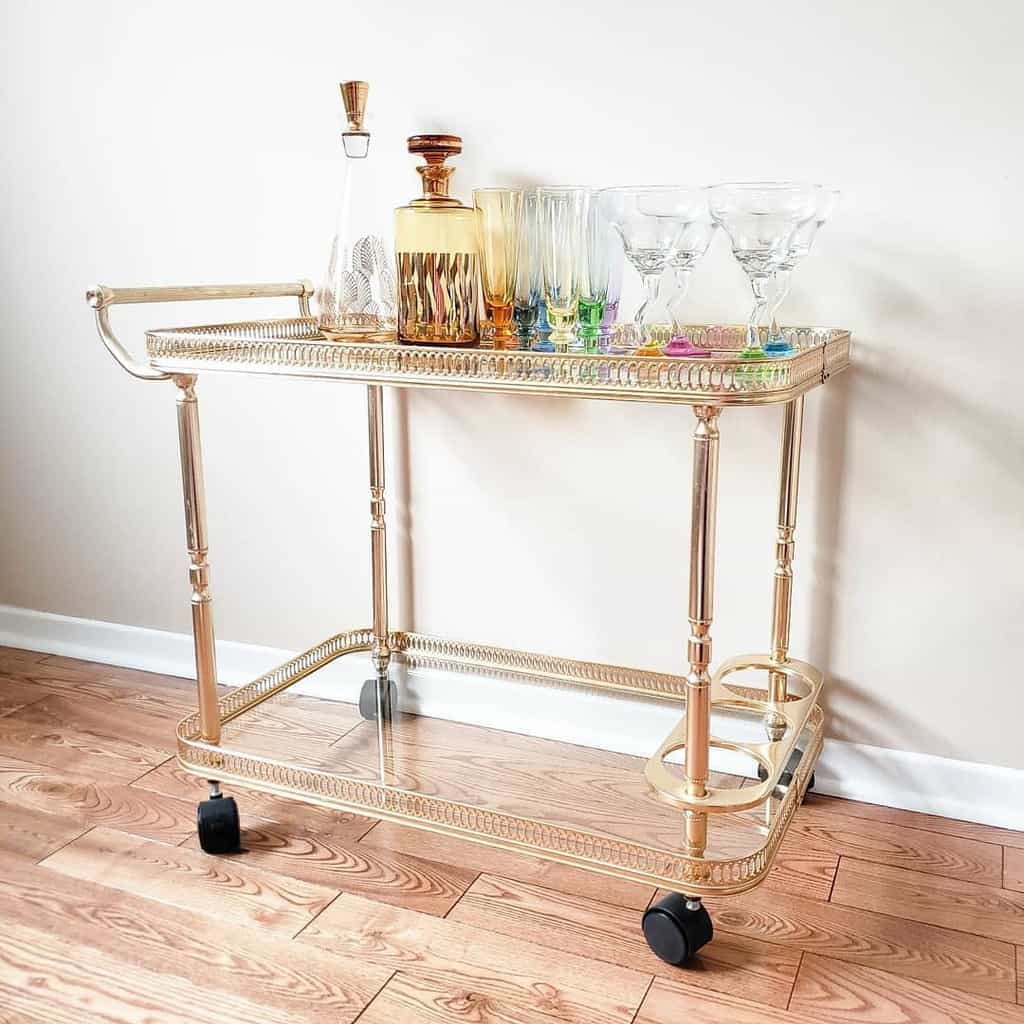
x,y
837,357
435,652
647,864
246,697
296,347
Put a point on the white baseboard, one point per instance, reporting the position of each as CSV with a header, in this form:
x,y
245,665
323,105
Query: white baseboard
x,y
111,643
989,794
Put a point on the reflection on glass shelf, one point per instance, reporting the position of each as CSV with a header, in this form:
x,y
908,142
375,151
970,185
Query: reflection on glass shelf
x,y
525,747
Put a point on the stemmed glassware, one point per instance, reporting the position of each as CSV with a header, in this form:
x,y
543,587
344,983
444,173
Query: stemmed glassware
x,y
611,306
761,220
561,212
526,308
499,214
692,245
651,221
601,279
800,245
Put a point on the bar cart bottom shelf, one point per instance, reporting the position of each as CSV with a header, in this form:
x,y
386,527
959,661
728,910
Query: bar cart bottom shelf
x,y
538,755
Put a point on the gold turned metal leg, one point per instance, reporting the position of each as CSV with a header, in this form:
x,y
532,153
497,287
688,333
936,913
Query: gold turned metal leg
x,y
198,568
702,594
782,592
378,532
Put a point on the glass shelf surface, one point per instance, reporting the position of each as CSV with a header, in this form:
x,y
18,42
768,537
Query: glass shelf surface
x,y
505,757
295,347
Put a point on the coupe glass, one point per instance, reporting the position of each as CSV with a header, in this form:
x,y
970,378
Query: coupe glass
x,y
800,245
528,275
561,212
601,280
693,243
499,214
651,221
761,220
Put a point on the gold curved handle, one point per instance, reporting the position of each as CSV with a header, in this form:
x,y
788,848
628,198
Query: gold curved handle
x,y
101,298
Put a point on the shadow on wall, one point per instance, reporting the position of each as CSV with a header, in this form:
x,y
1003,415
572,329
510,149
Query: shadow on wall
x,y
833,430
858,703
916,403
906,400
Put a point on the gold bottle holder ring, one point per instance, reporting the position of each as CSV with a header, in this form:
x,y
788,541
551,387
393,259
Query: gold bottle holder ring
x,y
786,717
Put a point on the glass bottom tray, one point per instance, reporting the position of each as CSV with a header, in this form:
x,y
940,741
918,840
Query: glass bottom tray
x,y
539,755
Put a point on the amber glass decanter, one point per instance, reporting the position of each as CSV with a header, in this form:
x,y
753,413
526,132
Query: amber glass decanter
x,y
356,301
436,245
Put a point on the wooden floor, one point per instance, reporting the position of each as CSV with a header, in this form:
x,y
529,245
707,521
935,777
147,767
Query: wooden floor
x,y
109,911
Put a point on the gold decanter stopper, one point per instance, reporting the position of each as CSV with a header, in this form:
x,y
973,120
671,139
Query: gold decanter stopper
x,y
357,139
434,174
353,95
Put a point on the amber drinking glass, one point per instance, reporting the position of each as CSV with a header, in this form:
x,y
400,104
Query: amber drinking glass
x,y
561,213
499,215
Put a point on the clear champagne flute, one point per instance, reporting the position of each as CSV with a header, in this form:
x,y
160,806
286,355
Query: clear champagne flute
x,y
562,213
601,279
528,276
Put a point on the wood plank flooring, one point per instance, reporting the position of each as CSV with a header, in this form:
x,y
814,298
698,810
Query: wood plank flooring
x,y
110,912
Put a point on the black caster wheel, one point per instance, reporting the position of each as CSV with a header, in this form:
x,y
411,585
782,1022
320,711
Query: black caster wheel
x,y
368,699
217,822
786,778
676,927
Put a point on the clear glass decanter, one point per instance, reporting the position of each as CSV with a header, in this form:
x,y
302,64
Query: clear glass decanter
x,y
357,299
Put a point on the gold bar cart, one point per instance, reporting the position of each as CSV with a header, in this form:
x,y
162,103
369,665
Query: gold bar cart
x,y
667,818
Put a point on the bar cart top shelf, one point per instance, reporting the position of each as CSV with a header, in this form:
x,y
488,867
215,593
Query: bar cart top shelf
x,y
295,347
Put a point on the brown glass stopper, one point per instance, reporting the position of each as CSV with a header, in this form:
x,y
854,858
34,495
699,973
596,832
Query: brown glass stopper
x,y
435,149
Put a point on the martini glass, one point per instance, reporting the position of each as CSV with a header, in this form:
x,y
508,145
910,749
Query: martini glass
x,y
778,344
693,244
651,221
761,219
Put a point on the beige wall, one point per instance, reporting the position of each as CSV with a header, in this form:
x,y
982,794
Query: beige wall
x,y
190,142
